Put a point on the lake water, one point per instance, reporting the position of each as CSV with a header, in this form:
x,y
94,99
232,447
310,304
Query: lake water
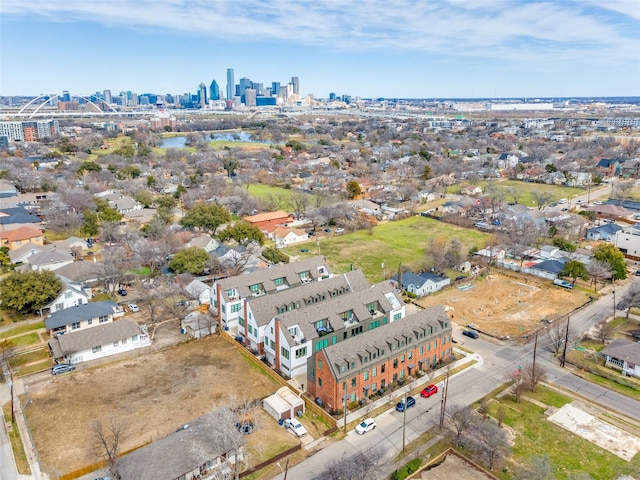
x,y
180,141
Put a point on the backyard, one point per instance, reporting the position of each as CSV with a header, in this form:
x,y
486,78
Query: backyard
x,y
153,395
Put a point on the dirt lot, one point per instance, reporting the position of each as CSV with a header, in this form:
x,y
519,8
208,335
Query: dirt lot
x,y
502,305
153,394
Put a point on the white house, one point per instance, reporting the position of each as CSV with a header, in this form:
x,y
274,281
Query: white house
x,y
200,291
284,236
81,316
628,241
624,355
421,284
72,294
98,342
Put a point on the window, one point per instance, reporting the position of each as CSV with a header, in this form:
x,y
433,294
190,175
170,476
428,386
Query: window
x,y
303,275
230,293
96,349
435,343
90,321
395,363
402,359
374,372
401,373
319,382
324,343
397,316
236,307
319,364
353,382
410,355
116,343
68,294
255,288
134,338
312,373
343,368
241,321
353,364
384,320
103,319
124,341
421,349
301,352
334,339
319,324
75,325
374,387
375,324
284,352
382,368
365,376
250,330
278,281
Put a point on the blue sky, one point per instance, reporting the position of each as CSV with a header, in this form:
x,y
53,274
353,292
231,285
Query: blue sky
x,y
368,48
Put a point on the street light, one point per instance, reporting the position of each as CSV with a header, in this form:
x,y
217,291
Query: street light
x,y
383,272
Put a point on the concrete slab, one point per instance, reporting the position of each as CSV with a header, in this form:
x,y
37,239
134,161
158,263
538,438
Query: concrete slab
x,y
606,436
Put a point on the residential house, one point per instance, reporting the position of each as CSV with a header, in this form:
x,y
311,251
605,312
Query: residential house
x,y
259,311
87,273
73,293
179,456
198,324
83,316
467,189
631,168
610,211
293,336
423,196
16,217
623,354
609,167
284,404
551,266
7,189
628,241
100,341
366,206
421,284
285,236
356,369
125,204
204,241
14,239
606,232
22,253
579,179
200,291
50,259
269,220
229,295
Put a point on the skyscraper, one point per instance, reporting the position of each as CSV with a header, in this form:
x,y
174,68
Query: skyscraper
x,y
296,85
230,84
250,97
214,91
107,96
202,95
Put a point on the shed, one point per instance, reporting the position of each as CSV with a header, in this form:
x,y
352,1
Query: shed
x,y
283,404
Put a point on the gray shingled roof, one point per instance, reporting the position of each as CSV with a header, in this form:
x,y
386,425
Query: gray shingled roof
x,y
331,311
623,350
87,338
264,308
362,346
80,313
267,276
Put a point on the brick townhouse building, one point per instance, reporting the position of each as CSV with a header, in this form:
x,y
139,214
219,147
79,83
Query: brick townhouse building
x,y
360,366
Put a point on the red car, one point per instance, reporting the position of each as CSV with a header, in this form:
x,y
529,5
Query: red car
x,y
428,391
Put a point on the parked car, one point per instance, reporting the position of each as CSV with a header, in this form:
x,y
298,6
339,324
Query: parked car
x,y
122,291
295,426
339,230
410,403
304,250
470,333
133,307
366,425
428,391
62,368
579,201
563,200
597,202
328,230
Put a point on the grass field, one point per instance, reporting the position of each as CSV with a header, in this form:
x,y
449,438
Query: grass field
x,y
525,191
260,191
391,243
568,454
22,329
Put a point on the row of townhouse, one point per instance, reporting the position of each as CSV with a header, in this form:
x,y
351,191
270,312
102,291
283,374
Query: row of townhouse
x,y
291,338
230,295
354,370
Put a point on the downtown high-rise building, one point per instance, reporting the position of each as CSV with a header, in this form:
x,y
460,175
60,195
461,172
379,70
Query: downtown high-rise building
x,y
295,81
230,84
214,91
202,95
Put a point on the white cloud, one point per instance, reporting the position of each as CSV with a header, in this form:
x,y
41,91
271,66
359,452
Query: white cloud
x,y
507,30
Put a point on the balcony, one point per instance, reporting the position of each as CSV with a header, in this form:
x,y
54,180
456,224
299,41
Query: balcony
x,y
322,331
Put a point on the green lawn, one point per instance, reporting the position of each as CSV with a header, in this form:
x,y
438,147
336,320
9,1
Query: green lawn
x,y
568,454
35,367
35,356
549,396
403,241
525,191
261,191
27,339
22,329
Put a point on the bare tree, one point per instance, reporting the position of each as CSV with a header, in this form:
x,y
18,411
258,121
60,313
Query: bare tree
x,y
538,468
598,271
542,199
491,443
300,202
501,414
632,298
603,331
518,385
460,419
107,441
555,335
532,376
361,466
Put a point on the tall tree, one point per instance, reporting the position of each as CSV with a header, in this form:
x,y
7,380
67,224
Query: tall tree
x,y
206,215
610,255
353,189
107,443
574,270
193,260
598,271
29,291
242,232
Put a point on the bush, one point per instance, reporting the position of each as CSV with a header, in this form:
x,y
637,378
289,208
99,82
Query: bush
x,y
411,294
407,470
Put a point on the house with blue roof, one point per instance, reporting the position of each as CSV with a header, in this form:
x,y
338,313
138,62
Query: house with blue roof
x,y
609,167
81,317
606,232
421,284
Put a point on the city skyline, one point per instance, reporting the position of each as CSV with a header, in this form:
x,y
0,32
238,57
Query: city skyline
x,y
410,49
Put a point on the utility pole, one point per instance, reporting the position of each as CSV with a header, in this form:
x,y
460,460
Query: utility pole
x,y
443,403
614,304
344,397
566,340
533,368
404,419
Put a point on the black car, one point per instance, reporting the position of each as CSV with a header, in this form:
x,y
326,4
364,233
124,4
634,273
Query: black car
x,y
470,333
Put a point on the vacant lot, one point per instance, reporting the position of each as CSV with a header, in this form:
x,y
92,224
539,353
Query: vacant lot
x,y
504,305
525,192
153,395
